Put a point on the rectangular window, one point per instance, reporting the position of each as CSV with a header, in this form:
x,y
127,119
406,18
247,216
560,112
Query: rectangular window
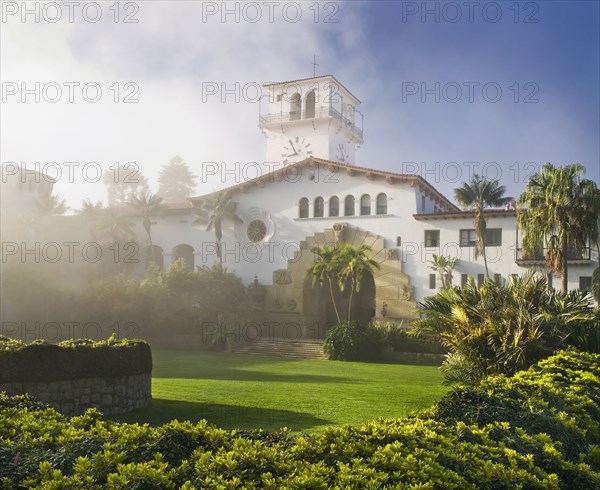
x,y
493,237
398,241
480,279
468,238
436,209
498,279
422,204
463,279
585,283
432,238
431,281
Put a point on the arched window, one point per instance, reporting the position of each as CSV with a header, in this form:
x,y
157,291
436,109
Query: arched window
x,y
309,105
319,207
334,206
365,205
154,255
349,206
295,106
185,252
382,203
303,208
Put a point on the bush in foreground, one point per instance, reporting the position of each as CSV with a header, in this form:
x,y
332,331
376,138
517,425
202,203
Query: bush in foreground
x,y
353,341
537,429
502,329
72,359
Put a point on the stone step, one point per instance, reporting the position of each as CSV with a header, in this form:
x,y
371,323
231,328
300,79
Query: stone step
x,y
290,349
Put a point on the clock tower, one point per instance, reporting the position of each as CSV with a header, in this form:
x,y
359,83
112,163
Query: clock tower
x,y
310,117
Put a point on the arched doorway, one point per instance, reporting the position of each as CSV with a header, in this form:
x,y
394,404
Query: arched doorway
x,y
185,252
295,107
319,310
363,301
309,111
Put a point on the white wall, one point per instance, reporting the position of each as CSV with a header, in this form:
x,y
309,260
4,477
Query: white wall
x,y
277,204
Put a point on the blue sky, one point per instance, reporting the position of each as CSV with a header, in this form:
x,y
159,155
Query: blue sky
x,y
379,51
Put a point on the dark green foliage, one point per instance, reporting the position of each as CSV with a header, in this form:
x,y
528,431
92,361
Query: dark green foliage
x,y
501,329
537,430
397,339
353,341
72,359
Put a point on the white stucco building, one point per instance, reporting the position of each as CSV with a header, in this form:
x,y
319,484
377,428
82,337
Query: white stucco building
x,y
313,128
317,194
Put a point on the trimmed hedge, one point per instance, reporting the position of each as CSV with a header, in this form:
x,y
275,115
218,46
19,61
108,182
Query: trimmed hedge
x,y
537,430
72,359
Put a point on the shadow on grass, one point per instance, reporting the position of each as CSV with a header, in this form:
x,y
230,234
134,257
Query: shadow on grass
x,y
161,411
229,374
235,367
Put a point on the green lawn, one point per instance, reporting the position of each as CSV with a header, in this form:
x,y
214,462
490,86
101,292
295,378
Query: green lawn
x,y
233,391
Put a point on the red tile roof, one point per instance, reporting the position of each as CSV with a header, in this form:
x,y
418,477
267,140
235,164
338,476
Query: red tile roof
x,y
412,178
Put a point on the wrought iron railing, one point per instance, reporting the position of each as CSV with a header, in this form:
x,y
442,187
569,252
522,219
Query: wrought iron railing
x,y
539,255
265,119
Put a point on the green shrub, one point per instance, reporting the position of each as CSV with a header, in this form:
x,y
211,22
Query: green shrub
x,y
539,429
501,329
72,359
396,338
353,341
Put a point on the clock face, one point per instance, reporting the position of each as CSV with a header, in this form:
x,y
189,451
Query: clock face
x,y
341,153
296,149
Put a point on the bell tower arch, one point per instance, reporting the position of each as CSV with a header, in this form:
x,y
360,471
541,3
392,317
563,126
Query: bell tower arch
x,y
310,117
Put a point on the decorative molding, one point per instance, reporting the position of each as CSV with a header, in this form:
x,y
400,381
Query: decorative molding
x,y
282,276
407,292
391,254
339,232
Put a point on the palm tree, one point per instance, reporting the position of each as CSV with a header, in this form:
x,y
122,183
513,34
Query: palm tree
x,y
504,328
92,213
444,266
559,210
114,225
52,205
353,262
475,196
325,266
212,211
146,206
342,264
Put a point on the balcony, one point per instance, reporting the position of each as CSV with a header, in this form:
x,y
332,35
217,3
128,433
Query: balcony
x,y
538,257
324,112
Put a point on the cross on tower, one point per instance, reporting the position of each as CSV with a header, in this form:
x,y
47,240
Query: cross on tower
x,y
314,64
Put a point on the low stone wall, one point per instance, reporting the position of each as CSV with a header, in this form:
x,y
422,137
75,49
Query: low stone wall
x,y
73,396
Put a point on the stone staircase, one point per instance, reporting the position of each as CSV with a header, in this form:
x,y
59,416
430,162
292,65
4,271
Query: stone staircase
x,y
288,349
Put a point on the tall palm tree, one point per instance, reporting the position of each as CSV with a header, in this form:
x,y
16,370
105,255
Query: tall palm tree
x,y
444,266
213,210
326,266
354,262
115,225
51,205
475,196
559,210
92,213
147,206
